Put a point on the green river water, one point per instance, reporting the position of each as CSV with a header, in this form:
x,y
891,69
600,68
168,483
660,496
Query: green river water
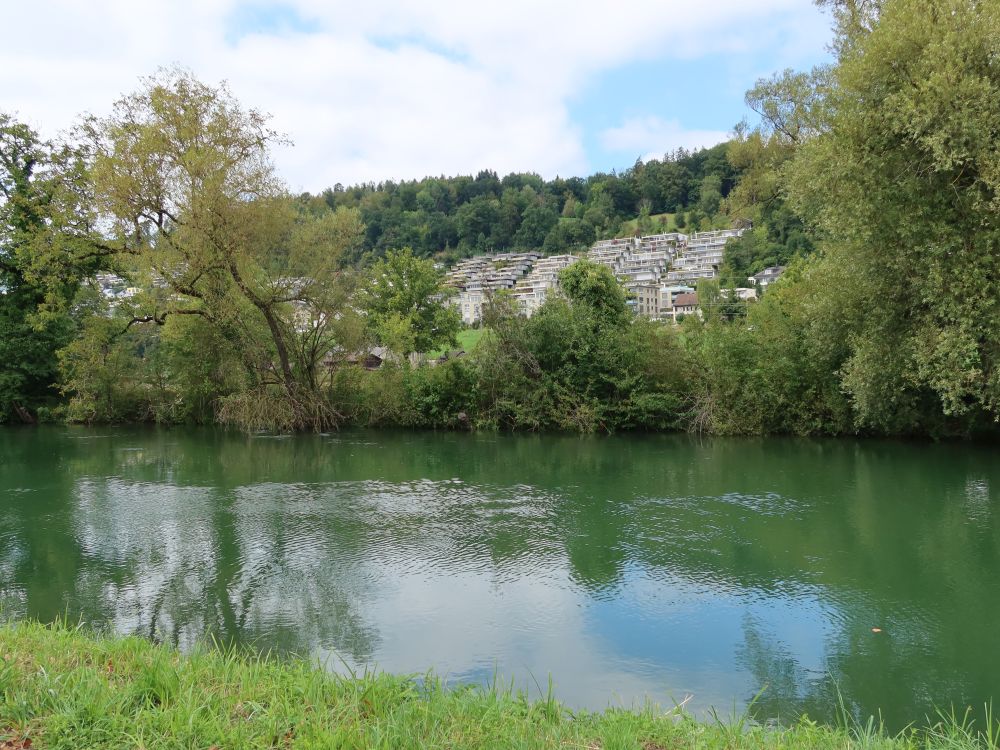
x,y
623,568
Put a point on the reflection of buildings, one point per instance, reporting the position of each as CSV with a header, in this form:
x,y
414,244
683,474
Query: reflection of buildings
x,y
13,556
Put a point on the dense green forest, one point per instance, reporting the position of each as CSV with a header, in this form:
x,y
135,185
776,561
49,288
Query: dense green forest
x,y
461,216
453,217
875,178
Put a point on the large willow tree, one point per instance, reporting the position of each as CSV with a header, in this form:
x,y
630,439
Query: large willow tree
x,y
188,206
902,182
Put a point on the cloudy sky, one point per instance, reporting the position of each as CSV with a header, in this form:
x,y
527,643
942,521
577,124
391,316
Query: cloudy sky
x,y
376,89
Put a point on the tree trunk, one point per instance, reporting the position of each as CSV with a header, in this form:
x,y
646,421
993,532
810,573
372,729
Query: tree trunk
x,y
23,414
279,345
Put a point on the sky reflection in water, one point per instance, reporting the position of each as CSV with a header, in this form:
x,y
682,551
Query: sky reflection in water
x,y
625,568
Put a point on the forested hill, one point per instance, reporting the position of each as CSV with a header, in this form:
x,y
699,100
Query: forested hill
x,y
465,215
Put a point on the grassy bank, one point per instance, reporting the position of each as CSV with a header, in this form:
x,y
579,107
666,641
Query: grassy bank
x,y
468,339
67,688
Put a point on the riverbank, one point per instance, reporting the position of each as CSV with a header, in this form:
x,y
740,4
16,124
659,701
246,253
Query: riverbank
x,y
66,687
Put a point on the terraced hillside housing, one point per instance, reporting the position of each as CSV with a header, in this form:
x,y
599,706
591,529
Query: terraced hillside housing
x,y
655,269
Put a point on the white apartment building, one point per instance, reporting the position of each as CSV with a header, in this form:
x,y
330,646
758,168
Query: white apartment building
x,y
655,269
646,300
668,296
532,290
640,264
701,255
666,241
767,276
662,261
476,278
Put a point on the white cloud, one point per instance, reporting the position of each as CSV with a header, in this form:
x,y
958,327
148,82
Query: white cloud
x,y
382,90
651,137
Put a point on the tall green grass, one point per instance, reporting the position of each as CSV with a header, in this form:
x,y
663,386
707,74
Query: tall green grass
x,y
65,687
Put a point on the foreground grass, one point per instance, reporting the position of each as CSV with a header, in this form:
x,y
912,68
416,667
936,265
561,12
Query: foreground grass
x,y
66,688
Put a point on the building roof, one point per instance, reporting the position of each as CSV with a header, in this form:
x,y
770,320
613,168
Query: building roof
x,y
769,272
686,300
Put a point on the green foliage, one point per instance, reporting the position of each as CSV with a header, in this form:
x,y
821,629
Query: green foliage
x,y
373,399
593,288
696,220
538,222
710,195
404,300
582,363
28,350
902,182
772,371
883,161
107,375
246,310
791,107
569,235
179,174
465,215
776,241
201,367
442,396
30,332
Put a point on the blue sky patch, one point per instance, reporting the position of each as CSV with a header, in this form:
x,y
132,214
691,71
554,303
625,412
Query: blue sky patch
x,y
394,42
704,93
266,18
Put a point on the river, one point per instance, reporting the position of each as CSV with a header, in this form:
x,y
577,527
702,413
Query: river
x,y
666,568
